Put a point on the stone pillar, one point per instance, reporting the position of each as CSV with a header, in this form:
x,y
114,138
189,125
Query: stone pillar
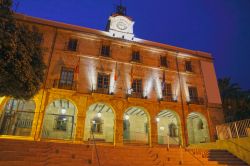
x,y
184,125
39,115
119,107
154,132
81,103
118,132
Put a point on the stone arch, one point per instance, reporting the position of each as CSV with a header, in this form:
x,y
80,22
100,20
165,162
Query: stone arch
x,y
60,120
136,125
169,127
17,117
197,128
100,123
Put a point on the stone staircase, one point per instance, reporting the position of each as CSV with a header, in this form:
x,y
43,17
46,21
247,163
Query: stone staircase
x,y
31,153
222,157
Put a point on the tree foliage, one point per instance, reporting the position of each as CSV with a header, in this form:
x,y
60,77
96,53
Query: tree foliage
x,y
235,101
21,60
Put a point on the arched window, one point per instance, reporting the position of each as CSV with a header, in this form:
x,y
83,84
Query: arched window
x,y
99,120
17,117
135,126
59,120
167,125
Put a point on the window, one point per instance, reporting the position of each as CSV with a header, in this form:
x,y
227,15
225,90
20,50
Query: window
x,y
167,91
105,51
200,125
193,95
96,126
72,44
137,86
17,117
103,81
136,56
172,130
61,123
188,66
164,62
66,79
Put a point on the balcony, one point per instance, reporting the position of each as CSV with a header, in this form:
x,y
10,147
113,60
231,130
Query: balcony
x,y
137,95
101,90
168,98
68,85
196,100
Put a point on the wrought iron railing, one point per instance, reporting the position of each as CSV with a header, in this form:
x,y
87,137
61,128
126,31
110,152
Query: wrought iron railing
x,y
68,85
196,100
168,99
136,95
94,149
101,90
234,129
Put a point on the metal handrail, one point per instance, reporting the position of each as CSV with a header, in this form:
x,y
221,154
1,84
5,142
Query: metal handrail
x,y
94,144
194,156
234,129
62,84
196,100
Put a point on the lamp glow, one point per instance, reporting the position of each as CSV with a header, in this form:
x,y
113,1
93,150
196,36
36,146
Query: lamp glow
x,y
99,114
126,117
162,128
157,119
63,111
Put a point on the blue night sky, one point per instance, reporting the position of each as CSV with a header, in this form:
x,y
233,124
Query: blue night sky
x,y
221,27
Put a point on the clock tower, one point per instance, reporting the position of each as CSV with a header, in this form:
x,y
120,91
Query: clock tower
x,y
120,25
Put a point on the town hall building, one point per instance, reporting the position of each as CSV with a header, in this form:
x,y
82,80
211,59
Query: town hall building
x,y
116,87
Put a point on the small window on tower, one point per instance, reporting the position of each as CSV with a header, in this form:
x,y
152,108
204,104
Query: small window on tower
x,y
72,44
136,56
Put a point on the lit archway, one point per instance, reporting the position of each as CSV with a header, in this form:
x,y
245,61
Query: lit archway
x,y
136,126
197,128
59,120
168,128
99,123
17,117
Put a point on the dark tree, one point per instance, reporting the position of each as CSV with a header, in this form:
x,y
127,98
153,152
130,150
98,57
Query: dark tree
x,y
235,101
21,60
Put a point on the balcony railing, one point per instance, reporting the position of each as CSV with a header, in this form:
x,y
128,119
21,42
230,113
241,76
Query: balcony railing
x,y
168,99
137,95
100,90
196,100
68,85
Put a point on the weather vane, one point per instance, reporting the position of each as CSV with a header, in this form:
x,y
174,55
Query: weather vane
x,y
120,9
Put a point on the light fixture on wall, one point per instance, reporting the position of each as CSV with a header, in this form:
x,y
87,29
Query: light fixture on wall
x,y
93,121
157,119
63,111
126,117
99,114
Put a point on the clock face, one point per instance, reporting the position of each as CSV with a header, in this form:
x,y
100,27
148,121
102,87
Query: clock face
x,y
122,25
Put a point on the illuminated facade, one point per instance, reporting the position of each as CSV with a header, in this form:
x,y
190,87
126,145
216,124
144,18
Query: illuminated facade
x,y
125,89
